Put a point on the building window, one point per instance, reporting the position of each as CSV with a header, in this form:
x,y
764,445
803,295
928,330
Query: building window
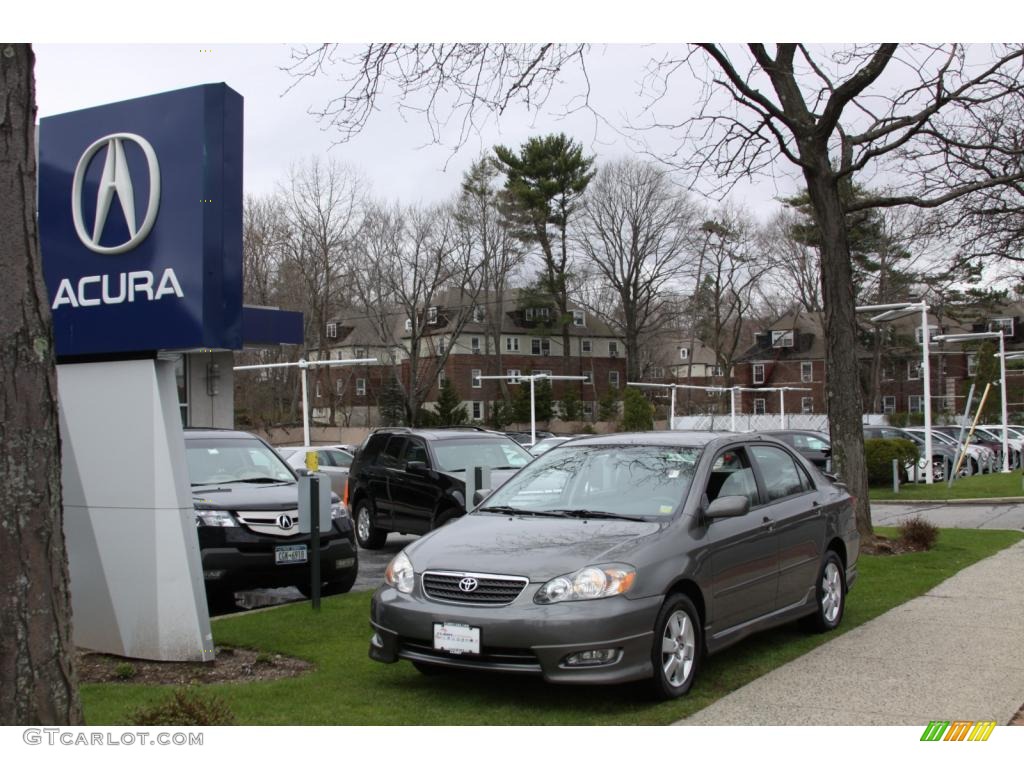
x,y
586,346
318,390
588,410
613,349
511,343
782,338
474,379
441,376
408,324
759,373
806,405
806,372
684,353
933,331
361,387
339,386
529,313
657,373
759,406
540,346
579,318
478,410
916,403
888,372
889,404
513,375
442,345
474,345
716,370
1004,324
588,377
432,315
613,379
972,363
478,313
360,353
332,330
913,370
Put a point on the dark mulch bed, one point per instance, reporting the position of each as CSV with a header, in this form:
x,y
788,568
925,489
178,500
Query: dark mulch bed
x,y
229,665
1018,719
883,546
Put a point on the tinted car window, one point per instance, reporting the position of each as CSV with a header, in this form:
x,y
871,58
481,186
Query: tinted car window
x,y
781,475
416,451
457,455
637,480
230,460
370,452
392,452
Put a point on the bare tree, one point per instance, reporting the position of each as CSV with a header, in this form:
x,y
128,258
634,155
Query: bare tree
x,y
634,231
796,272
37,666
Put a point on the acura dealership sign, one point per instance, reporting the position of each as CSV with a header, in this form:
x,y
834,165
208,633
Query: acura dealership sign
x,y
140,223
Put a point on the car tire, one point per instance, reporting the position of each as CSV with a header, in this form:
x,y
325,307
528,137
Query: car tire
x,y
829,595
367,533
678,648
220,599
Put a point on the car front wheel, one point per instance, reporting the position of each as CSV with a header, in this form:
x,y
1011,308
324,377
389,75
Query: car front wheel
x,y
831,594
678,648
367,534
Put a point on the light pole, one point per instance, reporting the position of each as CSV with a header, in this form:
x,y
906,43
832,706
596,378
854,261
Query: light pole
x,y
895,312
303,365
533,378
1001,354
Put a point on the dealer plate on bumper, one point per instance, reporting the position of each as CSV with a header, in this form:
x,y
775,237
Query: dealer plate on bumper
x,y
456,638
293,553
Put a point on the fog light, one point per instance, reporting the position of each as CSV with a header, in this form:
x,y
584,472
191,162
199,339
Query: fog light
x,y
347,562
213,575
592,658
376,642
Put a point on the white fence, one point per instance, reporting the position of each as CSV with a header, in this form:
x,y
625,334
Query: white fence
x,y
746,422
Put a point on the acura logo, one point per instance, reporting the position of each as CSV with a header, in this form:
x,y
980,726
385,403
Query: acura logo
x,y
468,584
116,179
284,522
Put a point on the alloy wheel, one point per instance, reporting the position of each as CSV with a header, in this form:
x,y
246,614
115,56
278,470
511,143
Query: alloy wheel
x,y
678,649
831,592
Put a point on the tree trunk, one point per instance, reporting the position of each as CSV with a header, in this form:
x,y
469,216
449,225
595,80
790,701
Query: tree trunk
x,y
37,669
843,390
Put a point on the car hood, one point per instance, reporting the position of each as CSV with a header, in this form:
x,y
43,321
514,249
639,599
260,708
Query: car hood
x,y
246,496
539,548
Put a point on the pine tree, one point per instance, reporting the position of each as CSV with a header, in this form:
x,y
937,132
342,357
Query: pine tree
x,y
501,414
391,404
571,407
608,406
449,410
544,404
987,372
637,411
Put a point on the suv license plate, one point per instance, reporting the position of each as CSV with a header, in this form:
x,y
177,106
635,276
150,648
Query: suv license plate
x,y
456,638
293,553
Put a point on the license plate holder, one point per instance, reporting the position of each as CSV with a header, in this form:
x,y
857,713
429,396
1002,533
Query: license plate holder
x,y
456,639
291,553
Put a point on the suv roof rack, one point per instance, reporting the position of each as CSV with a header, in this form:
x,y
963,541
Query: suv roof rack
x,y
471,427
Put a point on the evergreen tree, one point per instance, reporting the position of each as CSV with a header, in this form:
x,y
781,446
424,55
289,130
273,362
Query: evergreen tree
x,y
987,372
544,404
449,410
501,414
608,406
571,407
391,404
521,403
637,411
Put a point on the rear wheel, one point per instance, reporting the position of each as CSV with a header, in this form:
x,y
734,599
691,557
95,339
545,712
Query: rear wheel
x,y
678,648
367,534
831,594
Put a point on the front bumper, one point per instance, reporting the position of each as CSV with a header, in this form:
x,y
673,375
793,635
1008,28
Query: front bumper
x,y
522,637
236,568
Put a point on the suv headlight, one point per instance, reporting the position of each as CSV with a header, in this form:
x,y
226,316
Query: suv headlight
x,y
399,573
215,518
590,583
340,511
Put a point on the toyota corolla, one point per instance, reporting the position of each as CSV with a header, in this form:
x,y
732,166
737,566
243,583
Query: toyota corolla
x,y
624,557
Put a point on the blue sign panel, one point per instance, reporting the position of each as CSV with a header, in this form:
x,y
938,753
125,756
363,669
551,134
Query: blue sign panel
x,y
140,223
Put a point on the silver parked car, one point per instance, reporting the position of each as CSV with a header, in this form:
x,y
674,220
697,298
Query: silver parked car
x,y
624,557
333,460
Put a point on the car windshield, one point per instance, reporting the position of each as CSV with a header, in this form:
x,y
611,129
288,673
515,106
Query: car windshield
x,y
234,460
499,453
644,481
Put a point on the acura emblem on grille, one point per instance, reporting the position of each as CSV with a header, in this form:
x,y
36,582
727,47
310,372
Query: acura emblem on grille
x,y
284,522
468,584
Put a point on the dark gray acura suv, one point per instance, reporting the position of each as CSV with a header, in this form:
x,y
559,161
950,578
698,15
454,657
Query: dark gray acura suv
x,y
624,557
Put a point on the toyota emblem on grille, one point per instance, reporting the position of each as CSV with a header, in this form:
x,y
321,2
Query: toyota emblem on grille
x,y
284,522
468,584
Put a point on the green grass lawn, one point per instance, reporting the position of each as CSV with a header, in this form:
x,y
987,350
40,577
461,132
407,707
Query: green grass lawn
x,y
996,485
348,688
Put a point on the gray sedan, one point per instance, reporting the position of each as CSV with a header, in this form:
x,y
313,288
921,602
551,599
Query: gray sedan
x,y
334,462
624,557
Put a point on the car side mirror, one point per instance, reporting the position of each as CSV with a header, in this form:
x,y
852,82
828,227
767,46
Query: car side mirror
x,y
728,506
416,467
479,495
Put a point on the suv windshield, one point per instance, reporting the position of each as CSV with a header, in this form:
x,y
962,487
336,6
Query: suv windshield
x,y
233,460
636,480
501,453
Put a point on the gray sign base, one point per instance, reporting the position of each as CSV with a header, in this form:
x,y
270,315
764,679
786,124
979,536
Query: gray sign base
x,y
133,554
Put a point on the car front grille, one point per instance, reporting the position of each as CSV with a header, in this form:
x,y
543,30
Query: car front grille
x,y
489,589
269,523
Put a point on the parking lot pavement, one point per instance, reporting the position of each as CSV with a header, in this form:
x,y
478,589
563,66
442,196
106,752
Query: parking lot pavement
x,y
951,654
1001,516
371,574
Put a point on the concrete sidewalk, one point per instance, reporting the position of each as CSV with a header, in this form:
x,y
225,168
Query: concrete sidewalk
x,y
955,653
1004,516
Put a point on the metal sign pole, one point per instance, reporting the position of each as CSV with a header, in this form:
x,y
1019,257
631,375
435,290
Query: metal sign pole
x,y
926,372
1002,386
732,397
305,405
672,409
782,409
533,415
314,541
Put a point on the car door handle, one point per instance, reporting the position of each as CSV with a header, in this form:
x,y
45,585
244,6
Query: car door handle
x,y
767,522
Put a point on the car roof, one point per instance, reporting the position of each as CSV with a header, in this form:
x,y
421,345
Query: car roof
x,y
468,433
693,438
207,433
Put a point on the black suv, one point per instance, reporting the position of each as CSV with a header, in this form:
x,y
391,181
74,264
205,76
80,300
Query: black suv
x,y
246,504
414,480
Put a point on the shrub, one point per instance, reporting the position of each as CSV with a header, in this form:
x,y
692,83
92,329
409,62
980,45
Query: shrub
x,y
125,671
878,455
185,706
918,534
898,419
637,412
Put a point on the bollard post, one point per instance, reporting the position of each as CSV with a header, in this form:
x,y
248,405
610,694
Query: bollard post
x,y
895,475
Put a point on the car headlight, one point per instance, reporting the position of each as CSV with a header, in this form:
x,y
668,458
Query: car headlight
x,y
590,583
215,518
340,511
399,573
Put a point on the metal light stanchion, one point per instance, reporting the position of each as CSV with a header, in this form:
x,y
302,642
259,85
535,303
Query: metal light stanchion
x,y
533,378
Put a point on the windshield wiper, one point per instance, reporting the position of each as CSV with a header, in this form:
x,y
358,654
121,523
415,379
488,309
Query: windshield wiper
x,y
506,510
259,480
596,513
